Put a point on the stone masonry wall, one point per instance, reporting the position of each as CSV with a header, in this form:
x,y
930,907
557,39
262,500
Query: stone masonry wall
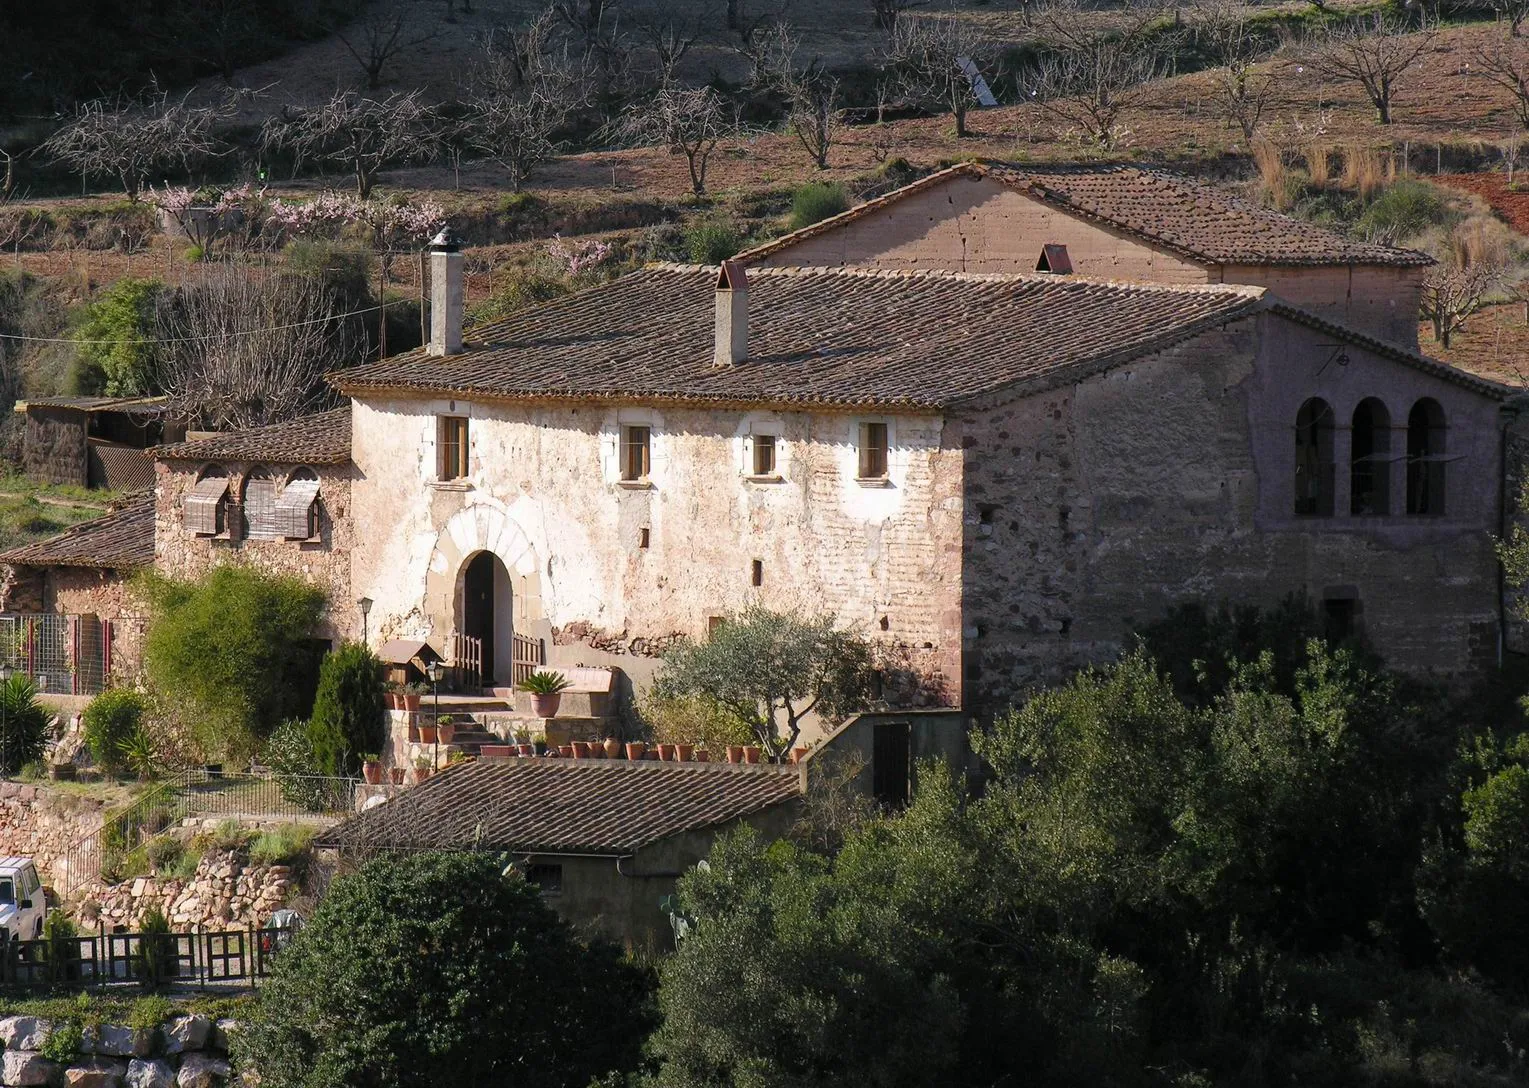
x,y
183,1052
41,823
225,892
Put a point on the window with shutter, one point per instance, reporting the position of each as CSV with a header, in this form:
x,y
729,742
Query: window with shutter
x,y
452,442
873,451
635,453
260,505
204,506
296,509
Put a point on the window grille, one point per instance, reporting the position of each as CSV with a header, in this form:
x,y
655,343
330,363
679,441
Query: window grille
x,y
873,451
453,442
204,506
635,453
295,510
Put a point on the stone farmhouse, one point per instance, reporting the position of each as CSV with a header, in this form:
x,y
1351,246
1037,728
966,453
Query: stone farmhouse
x,y
991,420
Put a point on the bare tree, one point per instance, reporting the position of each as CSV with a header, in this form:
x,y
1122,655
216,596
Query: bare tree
x,y
523,91
1506,63
1450,295
753,27
130,140
810,90
245,351
385,29
689,120
359,134
603,45
669,36
1374,53
219,33
1090,78
1234,41
1512,12
887,13
934,58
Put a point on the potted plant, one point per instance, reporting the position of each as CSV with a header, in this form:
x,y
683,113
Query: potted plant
x,y
702,755
635,749
735,753
665,752
526,750
751,753
684,753
412,695
522,736
371,769
546,690
539,743
427,733
390,694
581,749
395,775
798,754
565,750
422,768
446,728
612,748
497,751
456,757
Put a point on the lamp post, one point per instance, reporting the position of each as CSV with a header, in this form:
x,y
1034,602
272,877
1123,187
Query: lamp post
x,y
365,605
435,670
6,672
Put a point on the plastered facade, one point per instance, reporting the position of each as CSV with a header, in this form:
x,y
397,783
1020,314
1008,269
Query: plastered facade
x,y
972,224
544,495
324,560
1091,509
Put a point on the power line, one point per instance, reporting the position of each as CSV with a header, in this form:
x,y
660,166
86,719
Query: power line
x,y
198,339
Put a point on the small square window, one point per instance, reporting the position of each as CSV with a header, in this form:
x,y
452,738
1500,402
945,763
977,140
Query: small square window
x,y
635,453
453,448
873,451
548,879
764,455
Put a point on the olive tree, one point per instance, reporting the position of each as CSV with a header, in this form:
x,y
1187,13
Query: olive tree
x,y
772,669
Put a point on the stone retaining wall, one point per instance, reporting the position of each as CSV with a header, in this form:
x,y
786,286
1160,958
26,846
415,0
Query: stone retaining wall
x,y
183,1052
42,823
225,892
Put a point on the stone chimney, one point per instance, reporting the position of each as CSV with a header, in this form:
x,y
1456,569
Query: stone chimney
x,y
732,315
445,294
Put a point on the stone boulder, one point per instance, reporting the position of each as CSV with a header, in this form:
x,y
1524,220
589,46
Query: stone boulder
x,y
98,1073
202,1071
155,1074
118,1042
27,1067
24,1032
223,1033
185,1033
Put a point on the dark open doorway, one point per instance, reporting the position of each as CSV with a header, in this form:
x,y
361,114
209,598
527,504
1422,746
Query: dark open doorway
x,y
486,615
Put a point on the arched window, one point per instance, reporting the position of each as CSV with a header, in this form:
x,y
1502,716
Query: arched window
x,y
260,504
1314,459
1425,458
204,505
1370,459
297,506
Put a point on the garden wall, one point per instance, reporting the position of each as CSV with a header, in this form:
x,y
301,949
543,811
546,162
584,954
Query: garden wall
x,y
183,1052
225,892
41,823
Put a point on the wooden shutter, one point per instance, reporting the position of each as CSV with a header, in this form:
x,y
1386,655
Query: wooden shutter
x,y
204,506
873,451
260,508
294,509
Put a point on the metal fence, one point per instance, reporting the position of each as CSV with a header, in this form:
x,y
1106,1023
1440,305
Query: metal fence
x,y
153,960
200,793
65,654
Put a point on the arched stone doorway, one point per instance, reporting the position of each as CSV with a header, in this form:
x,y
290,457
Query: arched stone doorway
x,y
487,614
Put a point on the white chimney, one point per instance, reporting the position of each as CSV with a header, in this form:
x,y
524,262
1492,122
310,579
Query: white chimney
x,y
445,294
732,315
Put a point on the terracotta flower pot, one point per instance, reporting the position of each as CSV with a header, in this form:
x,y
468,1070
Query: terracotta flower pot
x,y
635,749
666,752
392,700
413,733
798,754
702,755
410,702
684,753
526,750
735,753
565,750
751,753
545,706
421,773
395,775
580,749
447,731
427,734
371,770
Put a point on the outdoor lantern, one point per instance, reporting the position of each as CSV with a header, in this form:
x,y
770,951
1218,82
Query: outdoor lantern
x,y
365,605
435,670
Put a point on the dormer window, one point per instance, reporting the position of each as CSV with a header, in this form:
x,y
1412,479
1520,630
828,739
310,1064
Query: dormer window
x,y
1054,259
206,503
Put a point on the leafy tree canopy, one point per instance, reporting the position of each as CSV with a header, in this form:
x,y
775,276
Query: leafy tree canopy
x,y
116,357
348,715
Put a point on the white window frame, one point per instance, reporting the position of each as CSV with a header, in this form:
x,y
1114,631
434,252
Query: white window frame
x,y
764,428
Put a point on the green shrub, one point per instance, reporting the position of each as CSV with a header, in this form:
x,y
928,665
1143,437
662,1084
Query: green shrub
x,y
232,654
124,316
147,1013
348,713
63,1042
1405,210
62,954
164,852
227,835
712,240
282,845
154,960
816,201
289,752
185,865
494,948
519,286
111,721
27,723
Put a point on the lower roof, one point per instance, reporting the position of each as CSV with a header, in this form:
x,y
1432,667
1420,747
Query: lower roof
x,y
319,439
121,540
564,806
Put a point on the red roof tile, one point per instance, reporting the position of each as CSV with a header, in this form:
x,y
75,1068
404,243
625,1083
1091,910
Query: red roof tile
x,y
321,439
562,806
121,540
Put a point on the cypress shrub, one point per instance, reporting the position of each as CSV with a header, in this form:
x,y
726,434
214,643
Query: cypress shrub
x,y
347,718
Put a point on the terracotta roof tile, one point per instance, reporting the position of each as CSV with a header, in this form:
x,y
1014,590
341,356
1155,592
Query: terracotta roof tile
x,y
1186,216
322,439
565,806
121,540
831,337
